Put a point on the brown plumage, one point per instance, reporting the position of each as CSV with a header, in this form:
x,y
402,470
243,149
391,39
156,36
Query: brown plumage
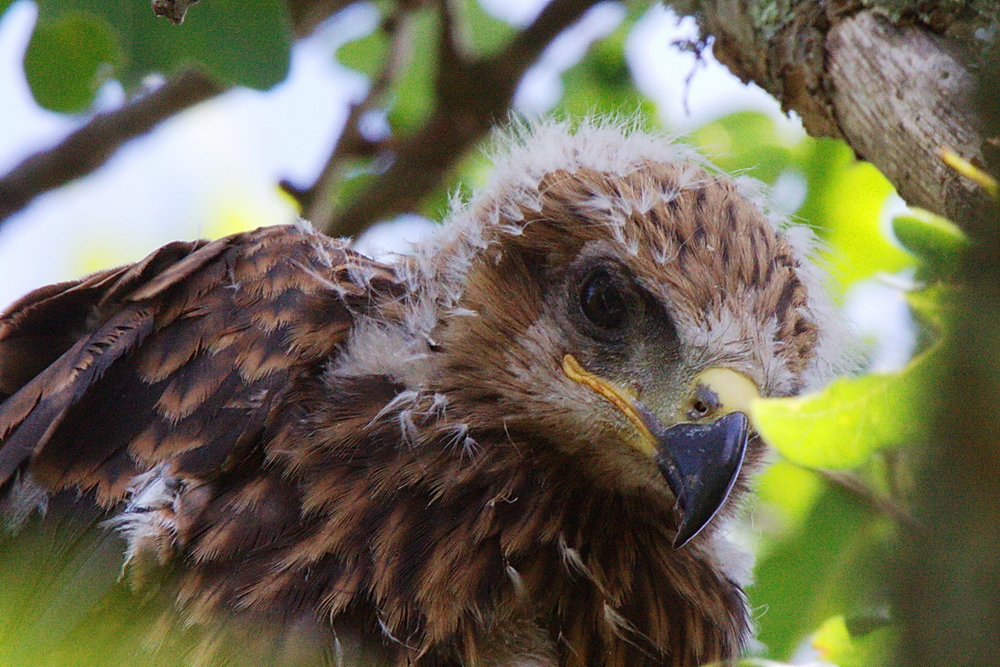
x,y
463,458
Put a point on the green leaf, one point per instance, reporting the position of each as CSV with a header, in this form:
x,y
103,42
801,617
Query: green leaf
x,y
365,54
414,94
64,58
841,426
836,560
786,494
745,142
481,34
601,83
844,204
937,241
836,645
832,638
934,305
240,42
854,205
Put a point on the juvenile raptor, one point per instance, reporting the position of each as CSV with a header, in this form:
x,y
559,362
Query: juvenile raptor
x,y
516,447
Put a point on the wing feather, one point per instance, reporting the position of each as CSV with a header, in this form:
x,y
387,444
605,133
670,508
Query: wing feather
x,y
178,358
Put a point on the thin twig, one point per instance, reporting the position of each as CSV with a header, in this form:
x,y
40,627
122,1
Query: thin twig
x,y
857,487
90,146
315,201
471,98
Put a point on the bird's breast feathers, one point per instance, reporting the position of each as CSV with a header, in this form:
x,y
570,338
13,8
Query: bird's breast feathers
x,y
517,446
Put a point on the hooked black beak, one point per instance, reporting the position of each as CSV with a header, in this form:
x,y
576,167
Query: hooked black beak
x,y
701,463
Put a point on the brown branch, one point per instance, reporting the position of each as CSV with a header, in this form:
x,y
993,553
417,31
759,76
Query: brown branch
x,y
896,92
172,10
90,146
307,14
316,200
471,98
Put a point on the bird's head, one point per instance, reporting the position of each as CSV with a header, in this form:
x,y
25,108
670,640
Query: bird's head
x,y
611,298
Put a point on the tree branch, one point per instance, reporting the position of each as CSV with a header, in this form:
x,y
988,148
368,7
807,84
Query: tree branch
x,y
947,587
896,92
90,146
307,14
471,98
854,485
316,201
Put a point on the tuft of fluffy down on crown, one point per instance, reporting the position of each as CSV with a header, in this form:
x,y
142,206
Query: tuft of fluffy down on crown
x,y
529,160
467,457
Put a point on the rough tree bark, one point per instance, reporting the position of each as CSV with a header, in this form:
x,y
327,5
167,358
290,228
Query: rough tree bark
x,y
893,81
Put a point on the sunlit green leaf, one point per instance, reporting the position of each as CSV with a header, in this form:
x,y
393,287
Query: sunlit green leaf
x,y
841,426
844,204
937,241
745,142
414,94
835,560
836,645
366,54
481,34
832,638
933,305
786,494
853,206
64,58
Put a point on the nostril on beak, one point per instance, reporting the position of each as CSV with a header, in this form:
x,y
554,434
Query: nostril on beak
x,y
698,409
704,403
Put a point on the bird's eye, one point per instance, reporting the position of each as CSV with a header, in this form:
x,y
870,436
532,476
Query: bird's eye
x,y
602,302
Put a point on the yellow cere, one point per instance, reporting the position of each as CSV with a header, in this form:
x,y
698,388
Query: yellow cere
x,y
735,390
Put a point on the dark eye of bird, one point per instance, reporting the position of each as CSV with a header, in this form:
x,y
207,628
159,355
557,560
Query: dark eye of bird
x,y
602,302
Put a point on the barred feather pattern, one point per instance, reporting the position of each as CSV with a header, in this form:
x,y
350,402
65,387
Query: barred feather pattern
x,y
315,458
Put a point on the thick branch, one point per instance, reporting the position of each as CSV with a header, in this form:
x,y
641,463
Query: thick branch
x,y
316,201
89,147
895,93
471,97
307,14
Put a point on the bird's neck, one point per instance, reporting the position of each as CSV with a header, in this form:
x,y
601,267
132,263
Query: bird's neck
x,y
486,519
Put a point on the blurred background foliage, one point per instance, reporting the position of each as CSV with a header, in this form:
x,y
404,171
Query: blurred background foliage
x,y
834,505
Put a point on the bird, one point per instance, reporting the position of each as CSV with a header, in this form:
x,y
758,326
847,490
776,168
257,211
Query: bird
x,y
520,445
